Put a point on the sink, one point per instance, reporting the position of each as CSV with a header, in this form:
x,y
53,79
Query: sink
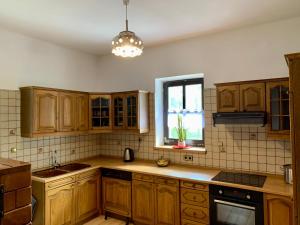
x,y
74,167
49,173
53,172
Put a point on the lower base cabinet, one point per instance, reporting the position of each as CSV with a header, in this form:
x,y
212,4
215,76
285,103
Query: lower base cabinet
x,y
278,210
68,201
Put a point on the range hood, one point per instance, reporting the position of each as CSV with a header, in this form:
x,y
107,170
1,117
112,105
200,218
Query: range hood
x,y
240,118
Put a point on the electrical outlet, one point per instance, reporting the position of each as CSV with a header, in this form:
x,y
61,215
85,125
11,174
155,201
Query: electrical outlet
x,y
253,136
188,158
40,150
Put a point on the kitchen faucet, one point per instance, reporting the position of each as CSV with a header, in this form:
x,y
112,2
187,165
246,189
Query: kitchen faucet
x,y
54,162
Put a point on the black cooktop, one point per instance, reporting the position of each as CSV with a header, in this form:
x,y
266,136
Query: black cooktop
x,y
241,178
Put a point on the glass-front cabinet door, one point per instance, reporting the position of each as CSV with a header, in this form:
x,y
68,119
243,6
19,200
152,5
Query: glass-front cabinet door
x,y
132,113
100,111
118,112
278,109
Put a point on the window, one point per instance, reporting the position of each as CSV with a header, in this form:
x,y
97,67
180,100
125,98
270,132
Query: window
x,y
185,98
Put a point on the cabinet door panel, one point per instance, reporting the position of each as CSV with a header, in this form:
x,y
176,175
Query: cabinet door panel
x,y
228,98
132,112
82,112
143,202
67,112
118,111
278,210
252,97
117,196
87,198
45,111
60,206
167,205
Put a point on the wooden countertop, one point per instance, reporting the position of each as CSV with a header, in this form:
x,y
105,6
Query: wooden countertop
x,y
273,185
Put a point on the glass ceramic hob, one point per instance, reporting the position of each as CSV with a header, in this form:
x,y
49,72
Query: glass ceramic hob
x,y
241,178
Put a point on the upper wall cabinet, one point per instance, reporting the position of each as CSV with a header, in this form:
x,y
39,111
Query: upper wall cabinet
x,y
252,97
228,98
131,111
100,111
278,109
241,97
49,111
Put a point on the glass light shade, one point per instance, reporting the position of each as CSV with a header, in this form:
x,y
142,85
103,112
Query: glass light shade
x,y
127,44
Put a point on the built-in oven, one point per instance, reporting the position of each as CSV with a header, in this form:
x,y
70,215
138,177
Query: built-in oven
x,y
233,206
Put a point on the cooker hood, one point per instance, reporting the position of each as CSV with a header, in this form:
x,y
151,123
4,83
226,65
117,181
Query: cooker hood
x,y
240,118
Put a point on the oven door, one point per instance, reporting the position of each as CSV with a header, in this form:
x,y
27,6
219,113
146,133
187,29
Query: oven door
x,y
225,212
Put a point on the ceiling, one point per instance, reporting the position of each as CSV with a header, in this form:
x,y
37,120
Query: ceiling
x,y
89,25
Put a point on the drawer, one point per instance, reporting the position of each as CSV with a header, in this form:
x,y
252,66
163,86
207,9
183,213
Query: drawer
x,y
194,197
194,185
189,222
166,181
60,182
16,181
90,173
142,177
17,216
195,213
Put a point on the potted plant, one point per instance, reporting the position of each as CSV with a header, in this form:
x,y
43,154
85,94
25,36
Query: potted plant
x,y
181,132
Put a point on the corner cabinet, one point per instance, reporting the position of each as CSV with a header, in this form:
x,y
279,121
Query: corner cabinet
x,y
278,210
131,111
100,113
278,109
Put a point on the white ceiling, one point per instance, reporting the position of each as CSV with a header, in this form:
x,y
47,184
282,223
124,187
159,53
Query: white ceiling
x,y
89,25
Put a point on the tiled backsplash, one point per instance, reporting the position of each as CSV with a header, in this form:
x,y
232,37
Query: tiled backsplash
x,y
38,150
241,153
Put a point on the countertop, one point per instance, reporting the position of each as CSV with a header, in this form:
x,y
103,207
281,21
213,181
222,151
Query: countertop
x,y
274,184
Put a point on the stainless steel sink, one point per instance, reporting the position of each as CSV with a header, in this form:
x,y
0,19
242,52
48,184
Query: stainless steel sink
x,y
53,172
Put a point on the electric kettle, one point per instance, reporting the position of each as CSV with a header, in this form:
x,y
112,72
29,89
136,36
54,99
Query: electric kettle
x,y
128,155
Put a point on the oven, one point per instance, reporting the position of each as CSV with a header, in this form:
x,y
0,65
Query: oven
x,y
233,206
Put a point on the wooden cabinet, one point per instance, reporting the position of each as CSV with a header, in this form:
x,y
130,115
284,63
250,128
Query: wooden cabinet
x,y
87,198
69,200
82,112
278,109
228,98
116,196
100,118
143,202
252,97
130,111
67,112
167,208
60,206
38,112
278,210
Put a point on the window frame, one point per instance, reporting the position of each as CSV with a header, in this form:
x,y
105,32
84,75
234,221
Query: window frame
x,y
183,82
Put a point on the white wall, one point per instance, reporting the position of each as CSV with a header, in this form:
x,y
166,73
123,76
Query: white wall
x,y
27,61
244,54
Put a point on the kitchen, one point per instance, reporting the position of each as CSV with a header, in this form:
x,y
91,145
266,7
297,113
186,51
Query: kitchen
x,y
102,139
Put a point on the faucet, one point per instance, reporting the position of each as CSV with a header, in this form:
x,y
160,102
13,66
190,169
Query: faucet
x,y
54,162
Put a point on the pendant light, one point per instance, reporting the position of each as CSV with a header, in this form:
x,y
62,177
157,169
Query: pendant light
x,y
127,44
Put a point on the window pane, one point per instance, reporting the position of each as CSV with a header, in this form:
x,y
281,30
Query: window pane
x,y
193,98
172,125
193,123
175,98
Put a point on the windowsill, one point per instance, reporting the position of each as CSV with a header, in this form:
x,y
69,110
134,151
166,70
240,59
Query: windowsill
x,y
170,148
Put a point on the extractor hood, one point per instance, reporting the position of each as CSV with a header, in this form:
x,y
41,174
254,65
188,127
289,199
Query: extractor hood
x,y
240,118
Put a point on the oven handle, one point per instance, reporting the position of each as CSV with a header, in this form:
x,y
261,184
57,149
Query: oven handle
x,y
234,204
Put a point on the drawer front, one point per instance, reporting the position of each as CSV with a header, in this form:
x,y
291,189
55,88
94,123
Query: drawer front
x,y
195,213
166,181
60,182
87,174
18,216
189,222
195,197
194,185
16,181
142,177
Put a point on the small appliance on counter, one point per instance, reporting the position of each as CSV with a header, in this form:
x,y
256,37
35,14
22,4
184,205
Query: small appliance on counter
x,y
288,173
162,162
128,155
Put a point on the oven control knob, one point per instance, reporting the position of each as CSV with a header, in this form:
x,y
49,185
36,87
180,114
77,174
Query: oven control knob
x,y
248,197
220,192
